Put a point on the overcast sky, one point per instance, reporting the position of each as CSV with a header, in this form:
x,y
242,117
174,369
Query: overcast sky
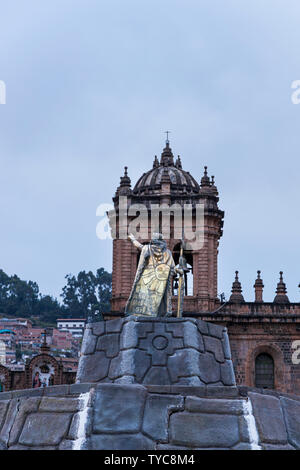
x,y
92,85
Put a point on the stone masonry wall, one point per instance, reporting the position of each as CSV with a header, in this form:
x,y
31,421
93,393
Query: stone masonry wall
x,y
274,339
156,351
134,417
162,418
44,418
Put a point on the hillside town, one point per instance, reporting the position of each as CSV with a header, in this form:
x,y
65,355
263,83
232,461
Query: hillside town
x,y
21,342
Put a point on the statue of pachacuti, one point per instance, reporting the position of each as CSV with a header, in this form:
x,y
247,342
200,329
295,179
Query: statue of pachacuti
x,y
151,293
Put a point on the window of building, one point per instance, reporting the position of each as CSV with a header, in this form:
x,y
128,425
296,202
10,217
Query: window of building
x,y
189,287
264,371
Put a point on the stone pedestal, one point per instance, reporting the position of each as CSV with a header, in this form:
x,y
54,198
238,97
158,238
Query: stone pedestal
x,y
156,351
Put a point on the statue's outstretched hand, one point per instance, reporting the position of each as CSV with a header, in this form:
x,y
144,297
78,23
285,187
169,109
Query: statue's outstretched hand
x,y
135,242
179,270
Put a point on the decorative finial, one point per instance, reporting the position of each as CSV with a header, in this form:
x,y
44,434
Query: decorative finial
x,y
213,187
258,286
205,181
167,158
281,291
167,140
44,346
236,291
178,162
125,184
156,162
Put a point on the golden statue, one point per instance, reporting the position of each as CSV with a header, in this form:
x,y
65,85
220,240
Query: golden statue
x,y
151,293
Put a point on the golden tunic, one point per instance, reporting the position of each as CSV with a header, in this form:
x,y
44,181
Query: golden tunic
x,y
152,290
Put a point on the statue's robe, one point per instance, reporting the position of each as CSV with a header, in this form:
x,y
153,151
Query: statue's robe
x,y
151,294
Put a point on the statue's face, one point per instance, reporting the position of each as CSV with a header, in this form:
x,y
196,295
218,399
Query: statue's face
x,y
157,250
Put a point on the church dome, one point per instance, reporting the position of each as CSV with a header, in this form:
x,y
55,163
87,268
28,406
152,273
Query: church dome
x,y
166,171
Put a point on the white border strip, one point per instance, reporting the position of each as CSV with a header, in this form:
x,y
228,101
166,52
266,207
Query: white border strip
x,y
82,421
251,424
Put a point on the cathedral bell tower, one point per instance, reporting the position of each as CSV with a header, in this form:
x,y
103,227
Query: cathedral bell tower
x,y
167,184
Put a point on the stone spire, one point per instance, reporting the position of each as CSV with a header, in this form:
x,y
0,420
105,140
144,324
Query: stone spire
x,y
258,286
205,181
167,157
213,187
44,346
281,291
156,162
125,184
178,163
236,291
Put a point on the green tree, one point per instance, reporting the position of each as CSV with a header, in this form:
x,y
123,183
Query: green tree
x,y
104,285
83,295
17,297
70,296
22,298
87,293
4,289
49,309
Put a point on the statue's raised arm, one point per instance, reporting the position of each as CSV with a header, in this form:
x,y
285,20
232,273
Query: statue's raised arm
x,y
135,242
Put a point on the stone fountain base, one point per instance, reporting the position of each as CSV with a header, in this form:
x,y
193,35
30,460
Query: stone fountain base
x,y
156,351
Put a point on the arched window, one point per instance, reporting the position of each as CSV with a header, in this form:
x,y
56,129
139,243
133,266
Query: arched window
x,y
264,371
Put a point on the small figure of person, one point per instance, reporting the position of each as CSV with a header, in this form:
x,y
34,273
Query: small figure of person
x,y
36,381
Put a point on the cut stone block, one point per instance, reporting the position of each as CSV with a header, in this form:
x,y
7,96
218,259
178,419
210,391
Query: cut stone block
x,y
291,409
118,408
158,407
195,430
44,429
269,418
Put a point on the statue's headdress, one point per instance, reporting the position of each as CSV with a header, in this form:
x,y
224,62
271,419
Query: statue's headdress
x,y
157,240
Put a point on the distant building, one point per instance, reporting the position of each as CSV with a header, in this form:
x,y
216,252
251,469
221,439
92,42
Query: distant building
x,y
42,370
15,322
30,338
65,341
18,335
72,325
